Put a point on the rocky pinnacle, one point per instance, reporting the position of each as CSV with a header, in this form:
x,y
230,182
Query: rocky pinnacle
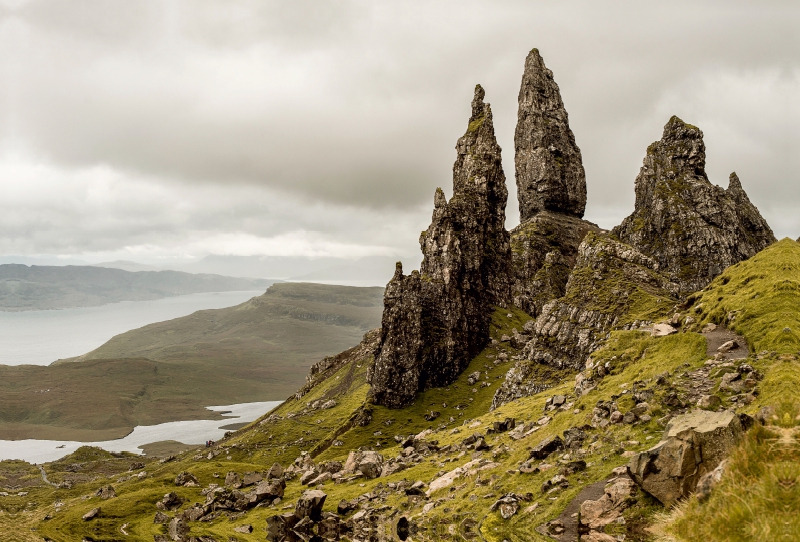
x,y
549,170
436,320
692,228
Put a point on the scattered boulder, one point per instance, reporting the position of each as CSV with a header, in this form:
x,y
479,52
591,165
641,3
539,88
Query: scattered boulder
x,y
161,518
507,506
267,490
693,444
275,471
171,501
279,527
178,528
91,514
596,514
309,505
546,447
232,479
185,478
106,492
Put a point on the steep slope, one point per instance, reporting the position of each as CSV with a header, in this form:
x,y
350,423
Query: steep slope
x,y
24,288
496,483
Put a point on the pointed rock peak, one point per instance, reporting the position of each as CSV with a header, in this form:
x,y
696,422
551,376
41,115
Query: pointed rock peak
x,y
549,168
676,128
477,103
439,200
735,185
436,320
680,153
693,229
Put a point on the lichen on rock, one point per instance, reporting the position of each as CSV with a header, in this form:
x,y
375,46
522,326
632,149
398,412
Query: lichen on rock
x,y
612,285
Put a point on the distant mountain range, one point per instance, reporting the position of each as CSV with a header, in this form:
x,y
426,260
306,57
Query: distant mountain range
x,y
24,288
367,271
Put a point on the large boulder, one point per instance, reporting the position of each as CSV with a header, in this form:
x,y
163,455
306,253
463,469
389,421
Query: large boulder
x,y
692,228
436,320
267,490
279,526
693,444
310,504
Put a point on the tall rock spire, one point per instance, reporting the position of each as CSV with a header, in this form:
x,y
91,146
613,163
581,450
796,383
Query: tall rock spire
x,y
550,173
436,320
693,229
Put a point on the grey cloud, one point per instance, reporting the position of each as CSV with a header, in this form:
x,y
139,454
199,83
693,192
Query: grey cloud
x,y
352,108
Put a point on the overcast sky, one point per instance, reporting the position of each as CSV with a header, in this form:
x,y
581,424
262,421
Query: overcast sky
x,y
159,130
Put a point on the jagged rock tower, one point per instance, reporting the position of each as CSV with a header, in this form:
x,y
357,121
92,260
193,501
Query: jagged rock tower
x,y
551,188
436,320
692,228
550,175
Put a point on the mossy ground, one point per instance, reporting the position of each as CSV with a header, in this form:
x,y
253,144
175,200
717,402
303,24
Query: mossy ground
x,y
757,497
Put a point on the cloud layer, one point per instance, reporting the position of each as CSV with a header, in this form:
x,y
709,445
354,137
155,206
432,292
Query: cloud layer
x,y
179,128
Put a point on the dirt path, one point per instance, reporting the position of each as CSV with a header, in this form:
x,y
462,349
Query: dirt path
x,y
44,477
720,336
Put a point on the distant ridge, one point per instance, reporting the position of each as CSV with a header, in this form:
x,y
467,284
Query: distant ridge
x,y
25,288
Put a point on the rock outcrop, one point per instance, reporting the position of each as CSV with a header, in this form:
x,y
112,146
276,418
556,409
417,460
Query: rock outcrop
x,y
693,229
436,320
550,174
693,445
551,189
543,252
608,279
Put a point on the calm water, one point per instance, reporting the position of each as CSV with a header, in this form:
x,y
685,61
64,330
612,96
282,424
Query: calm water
x,y
189,432
41,337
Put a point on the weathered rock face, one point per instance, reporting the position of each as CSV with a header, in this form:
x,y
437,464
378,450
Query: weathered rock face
x,y
543,251
693,229
550,173
551,188
436,320
694,444
608,278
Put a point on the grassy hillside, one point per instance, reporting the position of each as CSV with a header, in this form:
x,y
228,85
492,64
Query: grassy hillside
x,y
260,350
24,288
756,500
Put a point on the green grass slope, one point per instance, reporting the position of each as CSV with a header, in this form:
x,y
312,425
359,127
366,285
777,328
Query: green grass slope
x,y
757,499
759,496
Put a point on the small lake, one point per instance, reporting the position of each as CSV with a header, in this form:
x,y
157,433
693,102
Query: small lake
x,y
187,432
42,337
